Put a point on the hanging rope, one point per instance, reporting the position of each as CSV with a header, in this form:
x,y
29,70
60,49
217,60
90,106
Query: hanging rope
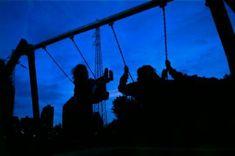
x,y
120,49
165,32
163,5
57,64
80,52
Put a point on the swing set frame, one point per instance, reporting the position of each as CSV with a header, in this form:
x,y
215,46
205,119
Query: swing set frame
x,y
106,21
119,16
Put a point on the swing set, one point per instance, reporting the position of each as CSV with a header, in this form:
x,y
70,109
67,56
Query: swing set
x,y
106,21
118,46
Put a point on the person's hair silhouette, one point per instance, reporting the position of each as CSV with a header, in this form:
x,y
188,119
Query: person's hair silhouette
x,y
147,73
80,73
147,79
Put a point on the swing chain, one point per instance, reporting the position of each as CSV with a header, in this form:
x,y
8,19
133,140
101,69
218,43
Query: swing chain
x,y
119,48
57,64
81,54
163,6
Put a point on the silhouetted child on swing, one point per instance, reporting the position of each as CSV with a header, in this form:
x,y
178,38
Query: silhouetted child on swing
x,y
150,91
146,81
146,89
87,92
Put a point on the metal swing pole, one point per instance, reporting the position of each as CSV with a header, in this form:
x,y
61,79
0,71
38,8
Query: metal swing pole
x,y
93,25
102,22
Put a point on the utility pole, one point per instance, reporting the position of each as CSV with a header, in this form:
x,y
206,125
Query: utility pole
x,y
101,106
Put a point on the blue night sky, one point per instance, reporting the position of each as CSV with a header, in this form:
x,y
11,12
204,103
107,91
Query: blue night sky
x,y
194,45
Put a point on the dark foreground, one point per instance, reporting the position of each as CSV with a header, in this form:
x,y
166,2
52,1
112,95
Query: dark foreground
x,y
181,119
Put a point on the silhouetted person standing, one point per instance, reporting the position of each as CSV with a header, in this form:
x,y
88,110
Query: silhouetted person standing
x,y
150,91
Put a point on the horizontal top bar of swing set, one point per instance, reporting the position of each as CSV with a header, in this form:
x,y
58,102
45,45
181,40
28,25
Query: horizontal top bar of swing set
x,y
107,20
